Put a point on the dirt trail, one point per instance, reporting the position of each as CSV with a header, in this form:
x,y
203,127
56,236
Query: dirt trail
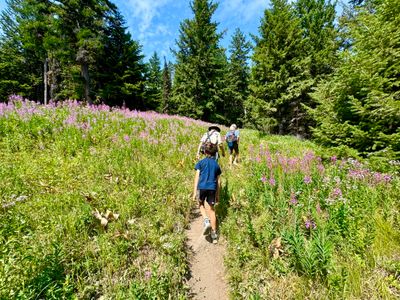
x,y
207,279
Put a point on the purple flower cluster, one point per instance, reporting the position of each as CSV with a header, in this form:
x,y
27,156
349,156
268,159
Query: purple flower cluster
x,y
307,179
293,199
310,224
367,175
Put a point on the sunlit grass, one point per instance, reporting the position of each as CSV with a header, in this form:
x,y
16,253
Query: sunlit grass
x,y
59,164
337,220
94,203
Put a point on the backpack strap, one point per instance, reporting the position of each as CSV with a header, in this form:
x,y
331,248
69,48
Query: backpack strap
x,y
209,136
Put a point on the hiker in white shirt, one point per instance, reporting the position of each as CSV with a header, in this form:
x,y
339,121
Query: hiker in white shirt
x,y
213,136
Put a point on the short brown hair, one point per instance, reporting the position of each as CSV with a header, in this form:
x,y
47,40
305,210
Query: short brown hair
x,y
210,149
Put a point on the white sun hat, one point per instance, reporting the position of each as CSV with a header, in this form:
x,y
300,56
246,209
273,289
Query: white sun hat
x,y
233,127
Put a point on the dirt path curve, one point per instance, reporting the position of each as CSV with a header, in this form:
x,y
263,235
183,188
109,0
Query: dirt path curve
x,y
207,279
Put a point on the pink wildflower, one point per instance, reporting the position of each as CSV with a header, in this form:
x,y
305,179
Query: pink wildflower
x,y
310,224
293,199
307,179
147,275
336,193
272,181
318,208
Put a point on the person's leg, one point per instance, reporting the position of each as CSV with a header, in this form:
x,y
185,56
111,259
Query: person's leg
x,y
236,160
203,210
213,218
230,156
236,150
202,196
210,211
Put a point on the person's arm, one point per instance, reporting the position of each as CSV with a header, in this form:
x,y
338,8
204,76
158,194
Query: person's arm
x,y
221,145
218,189
196,183
198,150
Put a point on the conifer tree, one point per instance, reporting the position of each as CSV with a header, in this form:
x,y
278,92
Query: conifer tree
x,y
199,65
154,83
120,71
359,105
25,26
320,50
280,72
83,26
167,87
237,78
75,42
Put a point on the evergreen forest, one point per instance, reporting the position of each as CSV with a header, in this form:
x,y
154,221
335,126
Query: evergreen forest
x,y
308,72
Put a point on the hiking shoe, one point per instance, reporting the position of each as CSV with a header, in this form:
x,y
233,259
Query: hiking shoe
x,y
214,237
206,226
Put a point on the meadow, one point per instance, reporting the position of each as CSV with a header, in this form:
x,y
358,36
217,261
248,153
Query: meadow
x,y
303,223
95,200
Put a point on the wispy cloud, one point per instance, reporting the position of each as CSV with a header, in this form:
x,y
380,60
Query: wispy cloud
x,y
155,23
143,13
245,10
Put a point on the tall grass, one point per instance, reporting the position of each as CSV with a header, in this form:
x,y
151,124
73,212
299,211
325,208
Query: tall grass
x,y
303,224
94,202
62,163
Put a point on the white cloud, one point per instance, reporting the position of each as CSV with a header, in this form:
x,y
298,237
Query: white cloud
x,y
144,11
245,10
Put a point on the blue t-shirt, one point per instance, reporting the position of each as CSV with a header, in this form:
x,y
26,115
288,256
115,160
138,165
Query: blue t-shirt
x,y
209,171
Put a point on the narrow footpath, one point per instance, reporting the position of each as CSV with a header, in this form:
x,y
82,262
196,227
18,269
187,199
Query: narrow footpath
x,y
207,278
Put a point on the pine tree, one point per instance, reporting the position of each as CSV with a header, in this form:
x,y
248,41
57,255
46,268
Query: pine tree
x,y
359,105
280,72
199,65
317,21
320,49
120,73
167,87
25,26
85,46
238,75
83,26
154,83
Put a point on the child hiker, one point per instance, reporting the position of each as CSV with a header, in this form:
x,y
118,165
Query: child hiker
x,y
206,189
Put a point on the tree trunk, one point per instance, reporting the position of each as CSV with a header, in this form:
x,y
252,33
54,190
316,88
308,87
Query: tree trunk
x,y
45,81
85,74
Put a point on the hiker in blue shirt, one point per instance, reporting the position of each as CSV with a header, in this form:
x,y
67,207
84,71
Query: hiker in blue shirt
x,y
232,139
206,189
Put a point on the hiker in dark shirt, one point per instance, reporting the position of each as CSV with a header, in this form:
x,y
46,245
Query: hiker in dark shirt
x,y
232,139
206,190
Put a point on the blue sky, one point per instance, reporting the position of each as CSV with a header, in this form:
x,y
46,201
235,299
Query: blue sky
x,y
155,23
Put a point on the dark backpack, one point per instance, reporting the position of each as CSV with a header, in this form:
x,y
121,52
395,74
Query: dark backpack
x,y
230,138
207,143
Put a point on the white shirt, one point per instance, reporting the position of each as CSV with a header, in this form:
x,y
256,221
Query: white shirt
x,y
214,136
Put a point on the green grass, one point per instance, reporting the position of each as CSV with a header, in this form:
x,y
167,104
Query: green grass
x,y
136,165
339,231
337,220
